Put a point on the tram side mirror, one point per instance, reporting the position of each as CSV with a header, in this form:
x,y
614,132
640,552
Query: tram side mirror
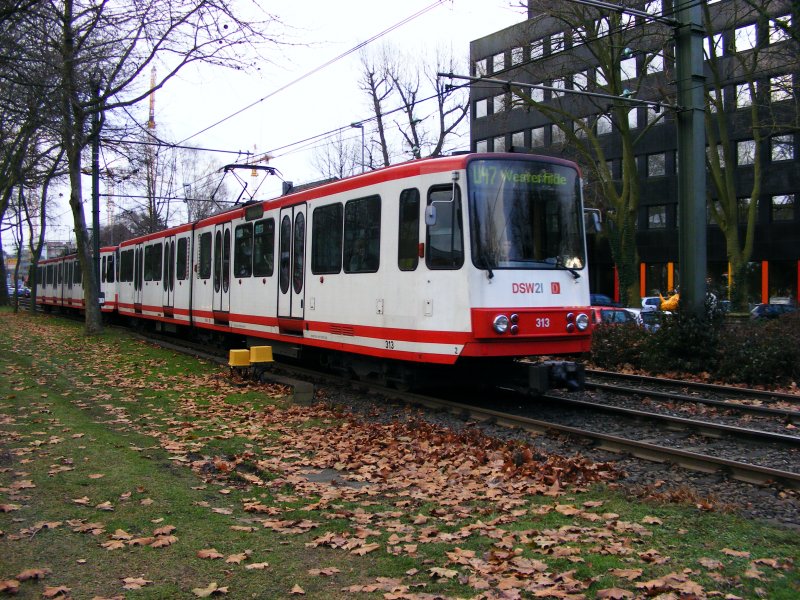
x,y
592,221
430,215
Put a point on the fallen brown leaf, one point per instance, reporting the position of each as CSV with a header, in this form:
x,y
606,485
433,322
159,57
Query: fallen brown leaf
x,y
135,583
211,589
55,592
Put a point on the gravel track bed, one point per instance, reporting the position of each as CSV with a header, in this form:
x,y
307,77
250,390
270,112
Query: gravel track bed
x,y
642,479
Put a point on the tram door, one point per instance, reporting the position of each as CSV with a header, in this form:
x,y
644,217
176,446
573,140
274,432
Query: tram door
x,y
138,275
168,273
222,267
291,273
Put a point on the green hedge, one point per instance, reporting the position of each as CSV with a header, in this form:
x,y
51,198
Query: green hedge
x,y
749,352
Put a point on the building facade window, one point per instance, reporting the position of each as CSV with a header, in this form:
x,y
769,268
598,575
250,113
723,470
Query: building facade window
x,y
744,97
481,108
744,38
479,68
627,69
783,207
518,139
499,103
604,125
743,205
578,36
482,146
580,81
653,8
537,94
745,152
580,127
713,46
655,63
780,88
559,84
537,137
633,118
656,164
537,49
720,155
556,42
779,29
556,135
516,56
657,217
782,147
499,143
498,62
600,79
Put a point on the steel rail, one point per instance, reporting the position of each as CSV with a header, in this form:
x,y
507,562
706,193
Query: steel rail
x,y
705,427
697,385
787,414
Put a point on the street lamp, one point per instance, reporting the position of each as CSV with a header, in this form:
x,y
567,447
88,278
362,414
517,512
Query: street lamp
x,y
360,126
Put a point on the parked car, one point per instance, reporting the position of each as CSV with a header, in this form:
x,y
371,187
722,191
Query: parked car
x,y
601,300
651,320
651,303
607,315
771,311
22,291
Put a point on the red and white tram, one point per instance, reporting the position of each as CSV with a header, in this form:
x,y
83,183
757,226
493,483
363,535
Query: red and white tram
x,y
442,261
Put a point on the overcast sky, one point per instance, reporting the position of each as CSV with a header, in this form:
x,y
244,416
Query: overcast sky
x,y
319,103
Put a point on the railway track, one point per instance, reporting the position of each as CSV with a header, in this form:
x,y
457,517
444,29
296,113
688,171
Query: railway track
x,y
745,400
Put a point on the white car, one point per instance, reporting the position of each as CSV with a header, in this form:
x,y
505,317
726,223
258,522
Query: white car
x,y
651,303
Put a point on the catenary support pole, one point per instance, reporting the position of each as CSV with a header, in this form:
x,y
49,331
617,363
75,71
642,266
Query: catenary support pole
x,y
692,248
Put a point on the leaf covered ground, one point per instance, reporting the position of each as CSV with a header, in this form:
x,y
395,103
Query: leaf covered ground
x,y
128,471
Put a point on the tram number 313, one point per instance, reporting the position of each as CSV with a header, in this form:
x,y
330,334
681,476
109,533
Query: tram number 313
x,y
543,322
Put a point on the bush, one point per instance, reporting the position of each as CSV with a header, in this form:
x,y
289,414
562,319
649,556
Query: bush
x,y
617,346
758,352
685,343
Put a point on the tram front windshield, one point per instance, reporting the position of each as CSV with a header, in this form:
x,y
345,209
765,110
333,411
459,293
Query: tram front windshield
x,y
525,215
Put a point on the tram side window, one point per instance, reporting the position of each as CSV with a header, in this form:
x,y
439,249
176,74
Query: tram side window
x,y
126,266
58,273
408,234
152,262
77,274
49,274
68,274
264,248
110,269
205,255
326,239
243,250
362,235
445,243
182,272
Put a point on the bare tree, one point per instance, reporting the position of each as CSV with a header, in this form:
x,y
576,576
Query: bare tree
x,y
406,91
376,83
741,56
205,189
612,54
339,158
99,54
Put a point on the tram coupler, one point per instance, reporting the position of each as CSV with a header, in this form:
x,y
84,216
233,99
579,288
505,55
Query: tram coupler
x,y
550,374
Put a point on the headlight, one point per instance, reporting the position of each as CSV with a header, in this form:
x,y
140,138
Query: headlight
x,y
500,323
582,321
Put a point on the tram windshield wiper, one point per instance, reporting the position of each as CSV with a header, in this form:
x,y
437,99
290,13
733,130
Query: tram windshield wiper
x,y
561,265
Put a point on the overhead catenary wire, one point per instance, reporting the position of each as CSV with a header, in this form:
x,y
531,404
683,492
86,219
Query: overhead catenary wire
x,y
315,70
